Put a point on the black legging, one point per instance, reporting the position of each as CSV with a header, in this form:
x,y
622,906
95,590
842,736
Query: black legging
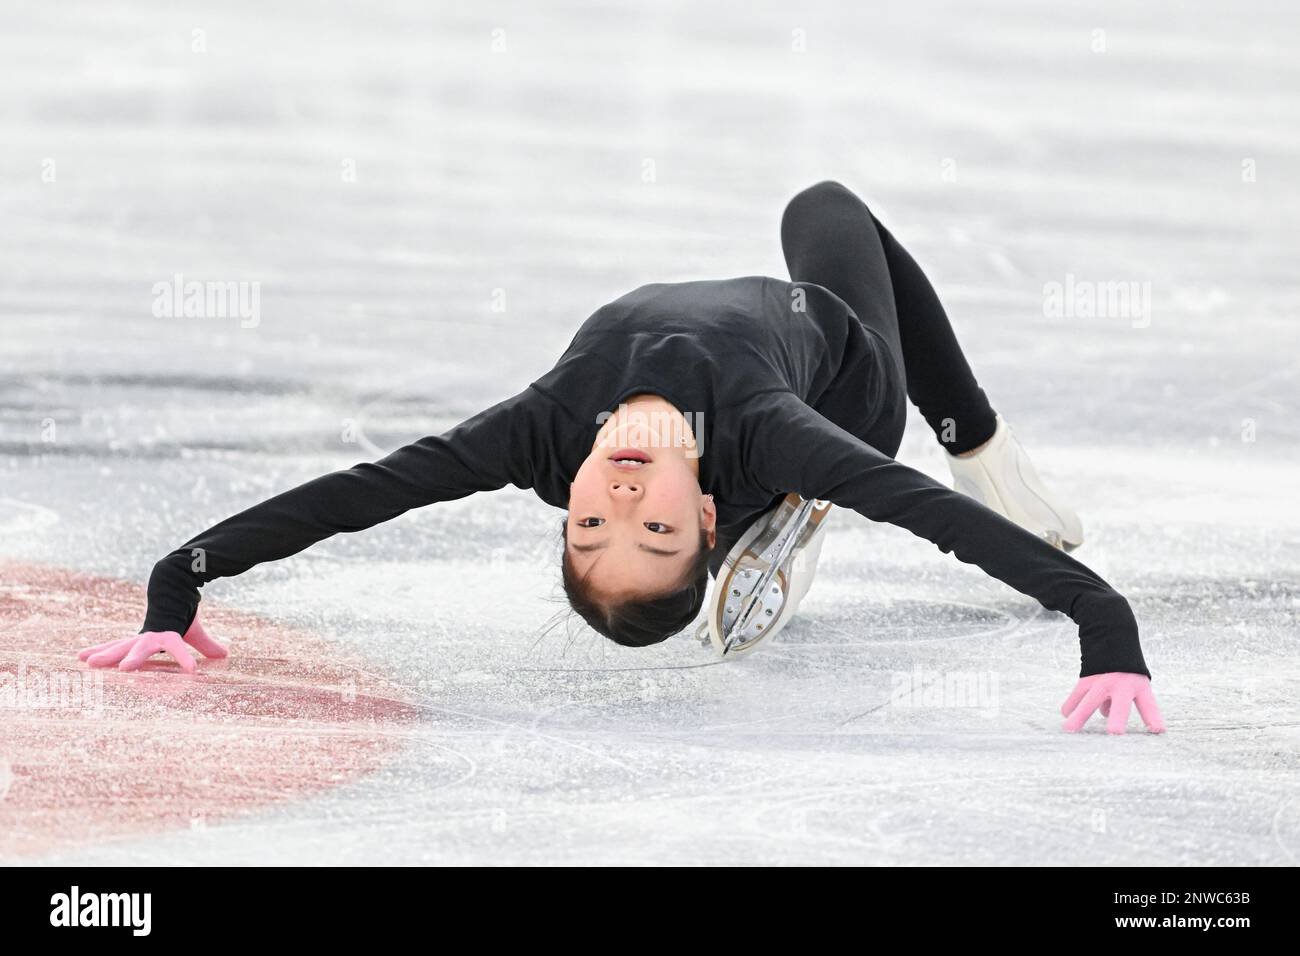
x,y
830,238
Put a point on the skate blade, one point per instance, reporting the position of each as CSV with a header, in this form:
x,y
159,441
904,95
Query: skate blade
x,y
739,617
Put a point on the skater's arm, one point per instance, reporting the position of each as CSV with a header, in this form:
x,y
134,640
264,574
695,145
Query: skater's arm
x,y
793,448
491,450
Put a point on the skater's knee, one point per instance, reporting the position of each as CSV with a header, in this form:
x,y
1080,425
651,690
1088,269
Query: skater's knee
x,y
822,196
828,188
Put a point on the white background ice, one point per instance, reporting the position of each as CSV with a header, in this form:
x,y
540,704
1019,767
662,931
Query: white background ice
x,y
1008,146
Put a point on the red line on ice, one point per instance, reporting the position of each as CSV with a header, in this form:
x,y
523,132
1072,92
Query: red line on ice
x,y
282,718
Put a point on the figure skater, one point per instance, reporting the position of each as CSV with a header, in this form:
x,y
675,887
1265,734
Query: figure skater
x,y
680,415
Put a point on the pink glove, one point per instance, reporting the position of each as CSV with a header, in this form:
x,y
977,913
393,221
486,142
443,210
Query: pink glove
x,y
128,653
1114,693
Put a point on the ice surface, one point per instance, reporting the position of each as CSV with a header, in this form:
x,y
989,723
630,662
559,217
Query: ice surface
x,y
1001,146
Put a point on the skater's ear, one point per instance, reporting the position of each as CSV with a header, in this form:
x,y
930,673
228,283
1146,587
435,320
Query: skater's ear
x,y
709,521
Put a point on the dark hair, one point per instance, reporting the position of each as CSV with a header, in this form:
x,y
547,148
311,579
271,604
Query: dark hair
x,y
642,621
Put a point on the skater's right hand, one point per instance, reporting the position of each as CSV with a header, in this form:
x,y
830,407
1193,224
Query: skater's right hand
x,y
128,653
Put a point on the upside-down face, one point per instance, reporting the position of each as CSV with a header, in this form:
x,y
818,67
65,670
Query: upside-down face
x,y
636,510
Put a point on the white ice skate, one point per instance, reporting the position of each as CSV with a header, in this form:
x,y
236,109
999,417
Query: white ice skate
x,y
765,576
1002,477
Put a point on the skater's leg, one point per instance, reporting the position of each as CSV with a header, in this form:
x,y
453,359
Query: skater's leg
x,y
940,382
989,462
830,237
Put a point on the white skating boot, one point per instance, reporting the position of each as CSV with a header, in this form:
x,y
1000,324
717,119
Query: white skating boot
x,y
1002,477
765,576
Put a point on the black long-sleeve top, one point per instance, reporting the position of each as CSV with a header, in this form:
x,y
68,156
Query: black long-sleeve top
x,y
765,382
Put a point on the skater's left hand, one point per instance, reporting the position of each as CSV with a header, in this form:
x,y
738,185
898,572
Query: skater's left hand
x,y
1114,693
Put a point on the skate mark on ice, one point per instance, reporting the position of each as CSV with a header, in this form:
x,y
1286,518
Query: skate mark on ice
x,y
421,701
1249,387
23,517
619,670
517,727
870,710
1292,805
1009,626
747,723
